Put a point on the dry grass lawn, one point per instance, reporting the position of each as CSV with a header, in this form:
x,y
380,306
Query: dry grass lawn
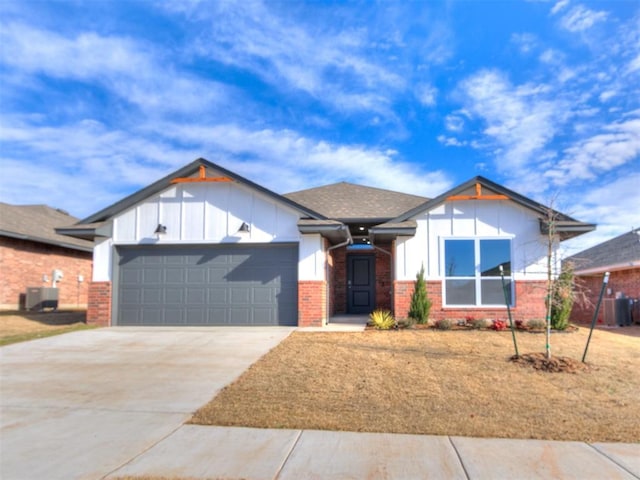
x,y
22,326
440,383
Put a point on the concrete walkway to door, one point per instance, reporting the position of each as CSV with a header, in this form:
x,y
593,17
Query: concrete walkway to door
x,y
83,404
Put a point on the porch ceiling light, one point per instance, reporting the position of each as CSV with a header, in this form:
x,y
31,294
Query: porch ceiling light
x,y
160,229
244,228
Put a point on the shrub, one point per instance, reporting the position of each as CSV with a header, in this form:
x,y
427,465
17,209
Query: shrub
x,y
382,319
405,323
443,324
478,323
562,299
520,325
499,325
420,303
536,324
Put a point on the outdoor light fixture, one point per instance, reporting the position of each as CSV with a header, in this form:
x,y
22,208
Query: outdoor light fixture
x,y
160,229
244,228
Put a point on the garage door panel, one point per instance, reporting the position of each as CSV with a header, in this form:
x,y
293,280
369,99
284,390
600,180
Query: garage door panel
x,y
172,296
207,285
196,296
151,295
174,275
262,295
131,296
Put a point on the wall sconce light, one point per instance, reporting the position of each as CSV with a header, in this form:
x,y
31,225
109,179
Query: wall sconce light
x,y
160,229
244,228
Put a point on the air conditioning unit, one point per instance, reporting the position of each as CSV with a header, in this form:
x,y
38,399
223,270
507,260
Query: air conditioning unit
x,y
39,298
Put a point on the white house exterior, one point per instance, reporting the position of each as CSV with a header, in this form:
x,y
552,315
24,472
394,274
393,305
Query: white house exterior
x,y
205,246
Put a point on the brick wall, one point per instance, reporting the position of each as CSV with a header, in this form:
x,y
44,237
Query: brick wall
x,y
23,264
99,307
384,283
623,281
312,304
529,303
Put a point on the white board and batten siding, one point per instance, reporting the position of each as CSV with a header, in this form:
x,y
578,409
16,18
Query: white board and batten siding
x,y
472,219
209,213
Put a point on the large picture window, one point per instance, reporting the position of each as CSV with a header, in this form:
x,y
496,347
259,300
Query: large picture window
x,y
472,271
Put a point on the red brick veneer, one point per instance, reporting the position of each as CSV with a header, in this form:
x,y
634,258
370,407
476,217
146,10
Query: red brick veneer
x,y
312,303
529,302
99,308
24,262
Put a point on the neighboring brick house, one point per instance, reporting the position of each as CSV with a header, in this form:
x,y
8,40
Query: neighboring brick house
x,y
620,256
30,250
205,246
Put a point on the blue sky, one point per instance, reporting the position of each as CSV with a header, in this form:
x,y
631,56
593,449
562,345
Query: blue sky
x,y
101,98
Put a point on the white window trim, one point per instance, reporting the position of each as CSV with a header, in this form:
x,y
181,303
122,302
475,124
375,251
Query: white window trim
x,y
477,278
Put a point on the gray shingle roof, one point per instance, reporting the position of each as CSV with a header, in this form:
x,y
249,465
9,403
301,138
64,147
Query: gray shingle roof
x,y
347,201
37,223
619,252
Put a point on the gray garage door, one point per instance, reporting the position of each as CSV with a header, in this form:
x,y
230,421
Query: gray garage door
x,y
207,285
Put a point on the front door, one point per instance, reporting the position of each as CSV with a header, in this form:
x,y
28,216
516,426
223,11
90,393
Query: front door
x,y
361,288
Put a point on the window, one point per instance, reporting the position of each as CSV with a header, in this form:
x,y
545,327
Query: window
x,y
472,271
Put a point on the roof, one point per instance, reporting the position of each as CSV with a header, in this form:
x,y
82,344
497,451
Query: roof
x,y
619,253
349,202
90,227
566,226
37,223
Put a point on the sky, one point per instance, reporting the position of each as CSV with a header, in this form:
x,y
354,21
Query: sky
x,y
98,99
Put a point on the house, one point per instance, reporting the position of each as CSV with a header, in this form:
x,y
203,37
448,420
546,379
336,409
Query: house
x,y
205,246
620,256
30,250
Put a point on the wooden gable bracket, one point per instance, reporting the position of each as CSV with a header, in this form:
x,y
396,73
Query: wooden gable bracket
x,y
478,196
202,177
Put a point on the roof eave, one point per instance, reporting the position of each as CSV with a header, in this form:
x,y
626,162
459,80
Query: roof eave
x,y
87,232
47,241
567,229
608,268
335,232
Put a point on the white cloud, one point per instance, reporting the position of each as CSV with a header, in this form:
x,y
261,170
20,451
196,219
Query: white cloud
x,y
581,18
133,71
450,141
335,68
606,95
559,6
100,164
609,204
617,145
426,94
294,159
525,42
520,119
454,123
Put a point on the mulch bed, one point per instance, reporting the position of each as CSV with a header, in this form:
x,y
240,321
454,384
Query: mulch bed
x,y
539,361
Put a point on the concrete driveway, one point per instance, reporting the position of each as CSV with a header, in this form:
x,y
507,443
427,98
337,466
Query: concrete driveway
x,y
83,404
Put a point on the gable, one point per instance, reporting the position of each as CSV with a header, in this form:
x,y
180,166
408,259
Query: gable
x,y
480,189
207,212
198,172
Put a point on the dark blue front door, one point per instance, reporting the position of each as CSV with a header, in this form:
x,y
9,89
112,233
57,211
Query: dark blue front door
x,y
361,288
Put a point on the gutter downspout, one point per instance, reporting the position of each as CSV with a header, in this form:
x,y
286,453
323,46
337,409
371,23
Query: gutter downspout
x,y
347,242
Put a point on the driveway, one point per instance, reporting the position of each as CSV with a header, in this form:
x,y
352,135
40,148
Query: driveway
x,y
83,404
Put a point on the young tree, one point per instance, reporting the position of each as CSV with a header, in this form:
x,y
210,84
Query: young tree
x,y
420,303
562,298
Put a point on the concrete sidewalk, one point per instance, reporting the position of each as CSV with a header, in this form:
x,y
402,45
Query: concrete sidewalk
x,y
200,452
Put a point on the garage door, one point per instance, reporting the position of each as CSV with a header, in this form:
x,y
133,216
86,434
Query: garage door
x,y
207,285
